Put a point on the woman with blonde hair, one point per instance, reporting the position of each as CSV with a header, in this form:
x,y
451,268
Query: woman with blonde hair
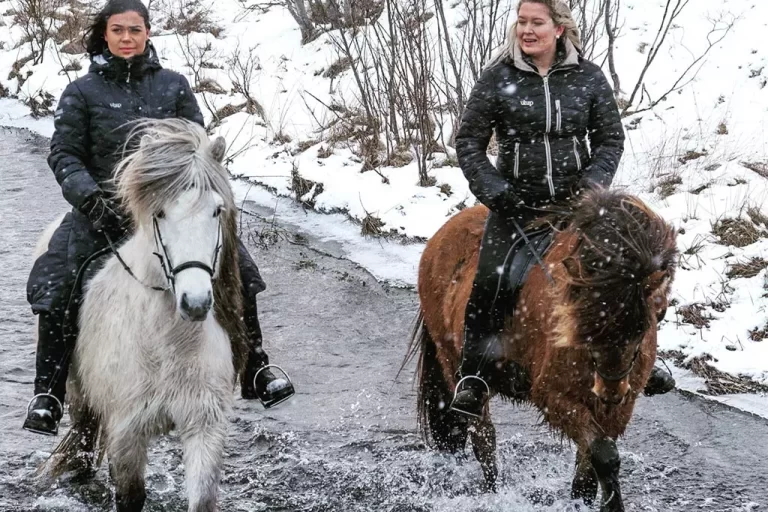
x,y
559,131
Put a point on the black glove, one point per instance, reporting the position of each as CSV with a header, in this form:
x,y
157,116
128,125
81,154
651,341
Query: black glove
x,y
104,214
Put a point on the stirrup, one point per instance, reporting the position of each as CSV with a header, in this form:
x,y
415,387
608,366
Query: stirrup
x,y
280,398
29,426
456,391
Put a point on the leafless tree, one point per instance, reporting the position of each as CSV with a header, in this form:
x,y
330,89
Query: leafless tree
x,y
37,19
720,28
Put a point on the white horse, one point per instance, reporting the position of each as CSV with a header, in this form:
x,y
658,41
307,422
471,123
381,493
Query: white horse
x,y
149,356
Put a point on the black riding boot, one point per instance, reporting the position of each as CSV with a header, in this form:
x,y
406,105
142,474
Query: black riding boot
x,y
258,381
483,365
45,410
659,382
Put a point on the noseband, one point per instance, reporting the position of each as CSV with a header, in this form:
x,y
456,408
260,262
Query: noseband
x,y
172,271
619,376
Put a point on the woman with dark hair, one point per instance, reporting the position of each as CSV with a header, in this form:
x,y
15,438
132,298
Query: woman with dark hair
x,y
543,101
125,82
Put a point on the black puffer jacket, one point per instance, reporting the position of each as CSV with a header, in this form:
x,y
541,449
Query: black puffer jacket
x,y
541,125
89,119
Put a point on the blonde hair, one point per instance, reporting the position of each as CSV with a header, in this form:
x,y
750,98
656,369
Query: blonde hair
x,y
561,16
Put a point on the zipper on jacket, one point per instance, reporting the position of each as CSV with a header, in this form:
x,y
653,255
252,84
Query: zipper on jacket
x,y
517,160
559,123
546,137
128,77
576,152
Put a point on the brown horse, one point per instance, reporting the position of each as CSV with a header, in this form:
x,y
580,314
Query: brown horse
x,y
584,329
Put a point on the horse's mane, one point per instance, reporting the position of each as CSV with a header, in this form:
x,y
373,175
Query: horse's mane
x,y
623,253
165,158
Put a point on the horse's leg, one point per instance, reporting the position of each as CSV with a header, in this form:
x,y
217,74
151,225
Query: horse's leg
x,y
604,456
584,484
127,462
203,450
578,423
483,435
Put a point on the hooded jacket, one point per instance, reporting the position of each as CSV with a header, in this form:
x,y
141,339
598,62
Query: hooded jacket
x,y
90,118
554,133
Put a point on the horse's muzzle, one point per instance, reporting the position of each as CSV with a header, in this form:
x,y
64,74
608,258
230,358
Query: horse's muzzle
x,y
195,309
611,392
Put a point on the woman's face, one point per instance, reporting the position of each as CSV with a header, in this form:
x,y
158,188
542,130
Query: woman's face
x,y
536,32
126,34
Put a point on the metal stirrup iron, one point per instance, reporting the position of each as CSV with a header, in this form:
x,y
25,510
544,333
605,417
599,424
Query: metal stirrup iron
x,y
287,378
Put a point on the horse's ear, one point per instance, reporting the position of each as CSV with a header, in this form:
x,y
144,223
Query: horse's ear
x,y
219,149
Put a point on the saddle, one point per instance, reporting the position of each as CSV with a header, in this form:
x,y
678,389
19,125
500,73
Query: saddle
x,y
523,257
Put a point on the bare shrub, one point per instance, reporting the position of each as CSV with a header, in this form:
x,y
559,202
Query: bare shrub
x,y
190,16
243,69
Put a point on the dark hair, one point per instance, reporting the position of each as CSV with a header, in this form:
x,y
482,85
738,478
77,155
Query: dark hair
x,y
93,40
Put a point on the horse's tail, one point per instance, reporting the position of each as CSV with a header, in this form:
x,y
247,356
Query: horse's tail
x,y
438,426
78,448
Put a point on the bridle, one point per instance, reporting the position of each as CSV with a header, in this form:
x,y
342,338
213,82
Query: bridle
x,y
619,376
169,269
172,271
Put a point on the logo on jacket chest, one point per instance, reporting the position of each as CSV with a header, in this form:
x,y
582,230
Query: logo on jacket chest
x,y
116,105
526,103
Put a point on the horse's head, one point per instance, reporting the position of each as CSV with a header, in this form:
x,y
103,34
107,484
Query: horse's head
x,y
179,195
614,286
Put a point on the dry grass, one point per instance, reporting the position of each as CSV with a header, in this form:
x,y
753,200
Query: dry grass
x,y
759,334
325,151
338,67
371,226
193,16
717,382
694,314
701,188
446,189
757,216
228,110
722,129
302,186
208,85
736,232
747,268
281,138
760,168
668,185
737,181
689,156
304,145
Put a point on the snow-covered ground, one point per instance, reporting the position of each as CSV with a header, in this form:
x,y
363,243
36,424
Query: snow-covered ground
x,y
684,157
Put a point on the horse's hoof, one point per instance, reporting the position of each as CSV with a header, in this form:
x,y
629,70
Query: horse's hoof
x,y
43,415
659,382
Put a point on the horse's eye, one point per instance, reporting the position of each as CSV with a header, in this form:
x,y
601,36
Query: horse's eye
x,y
217,211
160,214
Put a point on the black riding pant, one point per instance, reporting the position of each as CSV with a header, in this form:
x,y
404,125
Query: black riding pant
x,y
491,297
54,296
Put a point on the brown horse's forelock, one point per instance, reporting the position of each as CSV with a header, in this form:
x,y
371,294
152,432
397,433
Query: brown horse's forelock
x,y
621,245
